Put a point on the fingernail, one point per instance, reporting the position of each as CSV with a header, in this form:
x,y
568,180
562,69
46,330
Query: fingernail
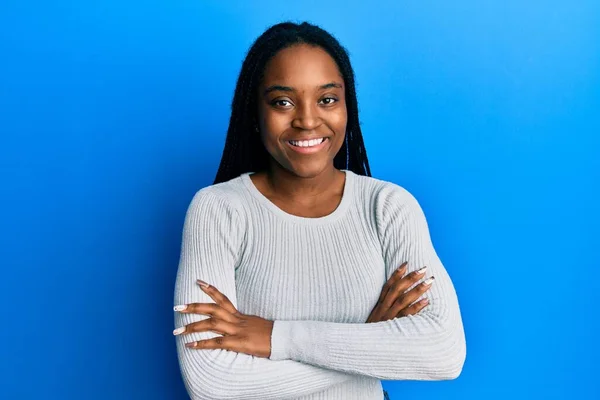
x,y
202,283
429,281
192,344
179,331
180,307
422,270
424,301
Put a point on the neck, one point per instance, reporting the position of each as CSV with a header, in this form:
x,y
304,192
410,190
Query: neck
x,y
285,184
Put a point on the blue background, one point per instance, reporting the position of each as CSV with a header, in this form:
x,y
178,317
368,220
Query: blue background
x,y
113,114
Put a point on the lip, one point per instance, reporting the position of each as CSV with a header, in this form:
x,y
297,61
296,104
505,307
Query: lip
x,y
307,150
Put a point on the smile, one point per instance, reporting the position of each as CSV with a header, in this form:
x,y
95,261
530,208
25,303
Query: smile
x,y
307,146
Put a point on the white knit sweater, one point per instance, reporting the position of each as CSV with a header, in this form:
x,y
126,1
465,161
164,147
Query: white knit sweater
x,y
318,279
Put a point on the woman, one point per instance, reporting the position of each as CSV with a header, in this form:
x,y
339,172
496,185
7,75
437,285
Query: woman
x,y
301,277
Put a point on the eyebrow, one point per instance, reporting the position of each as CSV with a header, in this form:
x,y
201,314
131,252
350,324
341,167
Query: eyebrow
x,y
280,88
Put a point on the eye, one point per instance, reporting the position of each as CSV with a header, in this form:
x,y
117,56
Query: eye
x,y
281,103
329,100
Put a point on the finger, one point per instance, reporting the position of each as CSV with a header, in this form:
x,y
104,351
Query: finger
x,y
221,342
409,297
210,309
209,325
379,308
402,286
414,308
413,294
217,296
390,282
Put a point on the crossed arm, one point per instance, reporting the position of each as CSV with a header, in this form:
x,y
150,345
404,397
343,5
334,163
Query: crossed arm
x,y
311,356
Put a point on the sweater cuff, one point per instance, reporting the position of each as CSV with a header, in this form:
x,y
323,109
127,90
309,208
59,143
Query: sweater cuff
x,y
281,337
302,341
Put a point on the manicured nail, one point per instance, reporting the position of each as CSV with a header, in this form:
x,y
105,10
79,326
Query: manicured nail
x,y
180,307
179,331
422,270
429,281
424,301
402,267
202,283
192,344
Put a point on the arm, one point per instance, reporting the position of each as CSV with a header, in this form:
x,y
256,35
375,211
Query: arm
x,y
212,239
427,346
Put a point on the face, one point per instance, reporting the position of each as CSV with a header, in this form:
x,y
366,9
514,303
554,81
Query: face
x,y
302,110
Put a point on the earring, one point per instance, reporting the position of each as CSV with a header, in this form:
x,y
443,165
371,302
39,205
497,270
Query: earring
x,y
256,128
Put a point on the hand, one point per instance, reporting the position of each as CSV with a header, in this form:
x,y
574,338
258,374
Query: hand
x,y
241,333
395,301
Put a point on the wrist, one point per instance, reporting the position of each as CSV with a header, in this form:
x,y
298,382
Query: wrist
x,y
281,336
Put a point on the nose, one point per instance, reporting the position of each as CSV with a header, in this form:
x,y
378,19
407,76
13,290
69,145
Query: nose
x,y
307,117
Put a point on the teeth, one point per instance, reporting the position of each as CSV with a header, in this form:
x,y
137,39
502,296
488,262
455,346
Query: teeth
x,y
307,143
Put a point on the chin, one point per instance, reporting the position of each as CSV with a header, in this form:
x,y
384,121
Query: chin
x,y
307,170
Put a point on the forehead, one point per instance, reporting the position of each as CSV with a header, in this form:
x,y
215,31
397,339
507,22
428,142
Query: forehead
x,y
302,65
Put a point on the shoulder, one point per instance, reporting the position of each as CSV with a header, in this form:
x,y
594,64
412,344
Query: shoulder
x,y
221,199
213,217
390,206
384,196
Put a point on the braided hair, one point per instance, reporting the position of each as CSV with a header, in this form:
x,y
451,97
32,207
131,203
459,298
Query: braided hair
x,y
244,150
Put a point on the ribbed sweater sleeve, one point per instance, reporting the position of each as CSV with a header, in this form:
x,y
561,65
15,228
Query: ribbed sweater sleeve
x,y
212,240
427,346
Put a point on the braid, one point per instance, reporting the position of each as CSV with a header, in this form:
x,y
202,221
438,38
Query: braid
x,y
244,151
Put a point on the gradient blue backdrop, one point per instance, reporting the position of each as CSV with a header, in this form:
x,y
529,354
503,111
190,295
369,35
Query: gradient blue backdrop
x,y
113,114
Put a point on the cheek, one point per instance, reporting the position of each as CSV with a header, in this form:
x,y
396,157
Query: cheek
x,y
266,124
338,118
338,123
270,144
276,123
271,128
